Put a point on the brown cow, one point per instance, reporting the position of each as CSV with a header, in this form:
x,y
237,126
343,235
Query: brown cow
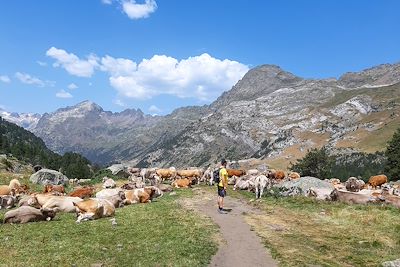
x,y
166,173
83,192
93,208
139,195
54,188
235,172
377,180
11,188
276,174
183,182
190,173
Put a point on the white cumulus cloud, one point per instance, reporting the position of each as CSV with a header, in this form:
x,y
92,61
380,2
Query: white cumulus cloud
x,y
29,79
72,86
138,11
5,79
73,64
63,94
203,77
117,66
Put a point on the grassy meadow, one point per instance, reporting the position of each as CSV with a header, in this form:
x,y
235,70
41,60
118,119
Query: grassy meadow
x,y
300,231
161,233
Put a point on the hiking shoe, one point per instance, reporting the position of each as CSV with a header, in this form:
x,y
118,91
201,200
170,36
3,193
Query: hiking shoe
x,y
221,211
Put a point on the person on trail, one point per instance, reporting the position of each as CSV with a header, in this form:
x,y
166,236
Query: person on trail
x,y
222,185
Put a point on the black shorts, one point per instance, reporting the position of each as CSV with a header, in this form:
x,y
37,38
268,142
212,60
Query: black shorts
x,y
221,192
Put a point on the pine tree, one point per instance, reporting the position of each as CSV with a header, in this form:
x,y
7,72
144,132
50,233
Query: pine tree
x,y
392,168
316,163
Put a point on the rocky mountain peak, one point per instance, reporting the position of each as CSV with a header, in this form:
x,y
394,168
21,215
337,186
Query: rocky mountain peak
x,y
259,81
87,106
381,75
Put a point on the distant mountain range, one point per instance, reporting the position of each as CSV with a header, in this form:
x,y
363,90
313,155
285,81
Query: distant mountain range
x,y
270,115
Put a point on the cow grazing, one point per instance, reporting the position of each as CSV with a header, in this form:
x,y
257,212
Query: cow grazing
x,y
7,202
260,183
377,180
182,183
93,208
83,192
238,173
27,214
54,188
140,195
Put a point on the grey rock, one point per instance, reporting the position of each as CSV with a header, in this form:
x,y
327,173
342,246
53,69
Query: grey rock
x,y
395,263
47,176
119,170
300,186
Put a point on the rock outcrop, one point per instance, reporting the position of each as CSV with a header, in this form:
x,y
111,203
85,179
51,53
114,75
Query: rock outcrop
x,y
46,176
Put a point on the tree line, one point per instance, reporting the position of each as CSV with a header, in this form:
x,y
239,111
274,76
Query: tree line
x,y
27,147
319,163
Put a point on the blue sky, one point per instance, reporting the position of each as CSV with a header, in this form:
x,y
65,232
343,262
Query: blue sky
x,y
158,55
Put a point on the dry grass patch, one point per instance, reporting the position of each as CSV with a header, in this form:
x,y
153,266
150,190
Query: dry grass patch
x,y
300,231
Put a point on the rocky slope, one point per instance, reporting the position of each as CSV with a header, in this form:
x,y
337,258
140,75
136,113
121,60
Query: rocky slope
x,y
269,115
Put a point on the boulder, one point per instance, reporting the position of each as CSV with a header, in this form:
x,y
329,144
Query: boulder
x,y
301,186
395,263
119,170
46,176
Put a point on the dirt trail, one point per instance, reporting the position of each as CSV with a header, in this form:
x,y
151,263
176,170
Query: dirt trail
x,y
241,246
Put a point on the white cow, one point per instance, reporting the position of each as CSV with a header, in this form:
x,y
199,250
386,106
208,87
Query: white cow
x,y
260,183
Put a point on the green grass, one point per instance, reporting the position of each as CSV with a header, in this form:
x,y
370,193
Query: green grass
x,y
157,234
325,233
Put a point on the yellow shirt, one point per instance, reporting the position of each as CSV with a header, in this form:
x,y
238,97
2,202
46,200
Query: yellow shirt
x,y
223,178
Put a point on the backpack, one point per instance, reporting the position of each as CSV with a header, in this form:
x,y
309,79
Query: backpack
x,y
216,176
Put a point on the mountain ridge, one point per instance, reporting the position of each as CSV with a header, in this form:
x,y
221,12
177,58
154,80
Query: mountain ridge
x,y
269,113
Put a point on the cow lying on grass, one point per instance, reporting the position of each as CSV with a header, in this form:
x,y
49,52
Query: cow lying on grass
x,y
140,195
93,208
27,214
56,203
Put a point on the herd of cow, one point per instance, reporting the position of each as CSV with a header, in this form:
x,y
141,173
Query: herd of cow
x,y
84,201
146,184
